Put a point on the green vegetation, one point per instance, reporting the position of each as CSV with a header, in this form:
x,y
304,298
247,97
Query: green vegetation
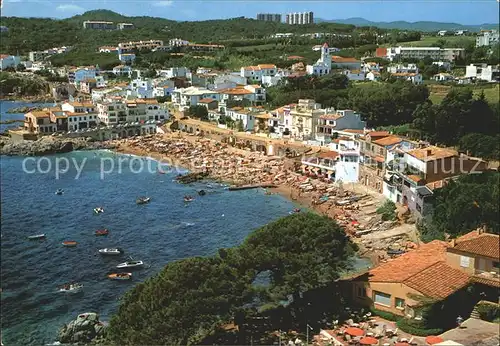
x,y
491,92
198,112
20,84
388,211
488,311
386,315
190,299
414,327
463,205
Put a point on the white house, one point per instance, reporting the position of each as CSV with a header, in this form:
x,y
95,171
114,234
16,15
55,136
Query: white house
x,y
415,78
487,38
442,32
483,72
174,72
329,123
371,66
373,76
253,93
122,70
443,77
436,53
324,64
245,115
339,166
186,97
254,74
400,68
443,64
9,61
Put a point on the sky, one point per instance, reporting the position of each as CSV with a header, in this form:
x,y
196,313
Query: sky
x,y
457,11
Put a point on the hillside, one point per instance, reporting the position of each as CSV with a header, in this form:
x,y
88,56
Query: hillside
x,y
419,26
27,34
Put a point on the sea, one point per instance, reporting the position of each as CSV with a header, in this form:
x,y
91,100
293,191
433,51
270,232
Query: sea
x,y
167,229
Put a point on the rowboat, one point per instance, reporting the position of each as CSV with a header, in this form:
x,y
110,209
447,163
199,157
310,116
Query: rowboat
x,y
143,200
120,276
69,243
130,264
36,237
101,232
98,210
59,191
71,288
110,251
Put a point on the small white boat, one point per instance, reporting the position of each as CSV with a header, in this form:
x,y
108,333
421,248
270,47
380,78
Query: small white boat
x,y
59,191
143,200
130,264
36,237
71,288
110,251
98,210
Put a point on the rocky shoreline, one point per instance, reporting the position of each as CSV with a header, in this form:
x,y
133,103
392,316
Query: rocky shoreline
x,y
49,145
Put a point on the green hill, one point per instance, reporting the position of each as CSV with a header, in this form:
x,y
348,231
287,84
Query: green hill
x,y
27,34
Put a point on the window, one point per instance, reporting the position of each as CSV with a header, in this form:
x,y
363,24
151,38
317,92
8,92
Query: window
x,y
464,261
360,292
400,303
382,298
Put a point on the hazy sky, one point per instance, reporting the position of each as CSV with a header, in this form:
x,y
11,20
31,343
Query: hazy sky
x,y
458,11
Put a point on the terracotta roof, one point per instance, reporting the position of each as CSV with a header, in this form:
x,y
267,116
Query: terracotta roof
x,y
266,66
432,153
437,184
354,131
3,56
486,281
342,59
389,140
236,91
81,104
328,155
331,116
207,100
409,264
404,74
380,134
414,178
263,115
438,280
381,52
295,57
486,244
40,114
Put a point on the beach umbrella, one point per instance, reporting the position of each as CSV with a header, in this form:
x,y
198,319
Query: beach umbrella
x,y
432,339
368,340
353,331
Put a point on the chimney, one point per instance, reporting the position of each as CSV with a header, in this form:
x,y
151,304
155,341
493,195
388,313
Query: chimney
x,y
428,152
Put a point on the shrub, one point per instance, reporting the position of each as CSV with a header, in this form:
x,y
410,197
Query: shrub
x,y
388,211
488,311
386,315
416,328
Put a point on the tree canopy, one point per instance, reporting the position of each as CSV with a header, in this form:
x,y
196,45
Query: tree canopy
x,y
188,300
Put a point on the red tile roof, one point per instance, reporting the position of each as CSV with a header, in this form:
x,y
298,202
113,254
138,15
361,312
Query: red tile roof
x,y
438,281
381,52
486,244
486,281
328,155
432,153
409,264
378,134
389,140
207,100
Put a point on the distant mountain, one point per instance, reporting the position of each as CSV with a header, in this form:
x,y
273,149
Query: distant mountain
x,y
403,25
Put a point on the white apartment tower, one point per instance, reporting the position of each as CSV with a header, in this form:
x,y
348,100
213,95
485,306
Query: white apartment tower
x,y
300,18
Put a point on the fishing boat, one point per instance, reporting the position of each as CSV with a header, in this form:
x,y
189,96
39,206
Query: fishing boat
x,y
143,200
202,193
71,288
69,243
36,237
98,210
111,251
295,211
120,276
101,232
59,191
188,199
130,264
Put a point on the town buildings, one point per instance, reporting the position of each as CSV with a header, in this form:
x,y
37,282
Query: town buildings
x,y
186,97
125,26
437,270
9,61
482,72
108,49
339,62
118,110
269,17
149,45
98,25
487,38
122,70
435,53
254,74
126,58
328,124
77,75
300,18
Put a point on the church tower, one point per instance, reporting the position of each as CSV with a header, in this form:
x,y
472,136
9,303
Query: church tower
x,y
325,56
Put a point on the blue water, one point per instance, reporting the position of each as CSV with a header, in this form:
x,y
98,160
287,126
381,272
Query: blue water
x,y
165,230
6,105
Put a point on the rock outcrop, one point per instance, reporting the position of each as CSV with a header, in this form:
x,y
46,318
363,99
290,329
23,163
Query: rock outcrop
x,y
84,329
49,145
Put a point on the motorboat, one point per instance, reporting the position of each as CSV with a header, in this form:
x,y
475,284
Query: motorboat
x,y
69,243
59,191
202,193
101,232
120,276
71,288
143,200
98,210
130,264
295,211
36,237
188,199
111,251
